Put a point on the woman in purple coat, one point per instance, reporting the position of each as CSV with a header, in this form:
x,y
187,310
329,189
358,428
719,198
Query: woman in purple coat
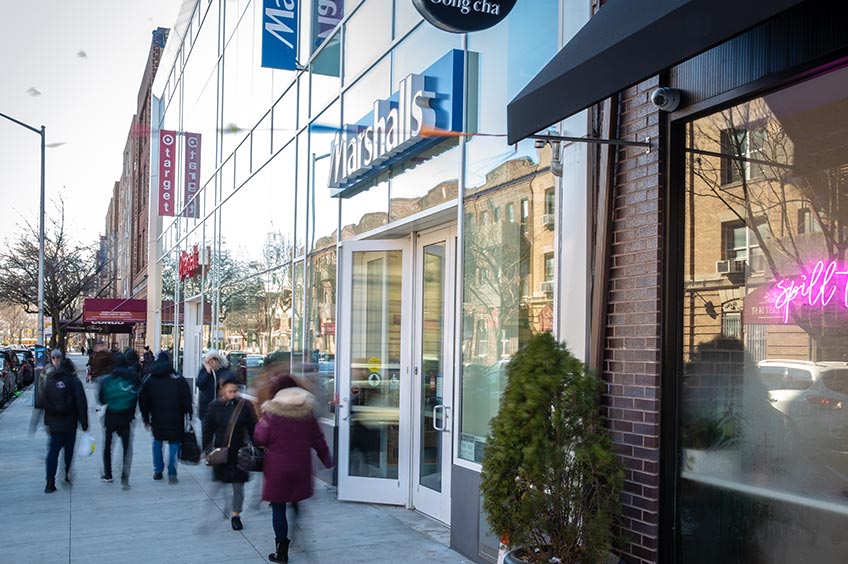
x,y
289,431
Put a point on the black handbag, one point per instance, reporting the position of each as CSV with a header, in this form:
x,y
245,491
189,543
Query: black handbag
x,y
189,448
251,458
221,455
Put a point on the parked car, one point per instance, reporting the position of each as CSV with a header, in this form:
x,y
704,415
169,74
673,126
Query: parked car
x,y
252,363
7,379
812,395
14,366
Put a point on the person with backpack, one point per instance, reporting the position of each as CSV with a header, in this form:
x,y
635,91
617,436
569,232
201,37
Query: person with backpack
x,y
65,407
165,401
119,393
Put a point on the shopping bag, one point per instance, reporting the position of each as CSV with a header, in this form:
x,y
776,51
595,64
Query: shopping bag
x,y
86,444
189,449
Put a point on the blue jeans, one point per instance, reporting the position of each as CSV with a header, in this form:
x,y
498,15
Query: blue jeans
x,y
59,441
159,461
279,521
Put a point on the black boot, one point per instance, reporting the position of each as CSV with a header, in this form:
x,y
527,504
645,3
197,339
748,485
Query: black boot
x,y
50,487
282,554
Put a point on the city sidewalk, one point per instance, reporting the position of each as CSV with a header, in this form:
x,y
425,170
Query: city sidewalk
x,y
91,522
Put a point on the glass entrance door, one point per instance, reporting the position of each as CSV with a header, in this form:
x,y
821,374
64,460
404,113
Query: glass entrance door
x,y
374,372
433,373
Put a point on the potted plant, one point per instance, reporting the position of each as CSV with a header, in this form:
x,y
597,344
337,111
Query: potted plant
x,y
550,478
710,444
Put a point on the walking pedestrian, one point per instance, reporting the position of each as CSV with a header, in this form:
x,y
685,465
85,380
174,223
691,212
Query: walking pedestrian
x,y
65,407
165,401
289,431
146,360
119,393
229,420
214,370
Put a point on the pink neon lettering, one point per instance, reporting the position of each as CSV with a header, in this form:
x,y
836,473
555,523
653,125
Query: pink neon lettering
x,y
818,290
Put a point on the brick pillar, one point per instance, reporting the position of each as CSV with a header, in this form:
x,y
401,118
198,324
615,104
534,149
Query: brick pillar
x,y
632,348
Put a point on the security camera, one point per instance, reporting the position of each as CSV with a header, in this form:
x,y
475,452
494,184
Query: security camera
x,y
666,99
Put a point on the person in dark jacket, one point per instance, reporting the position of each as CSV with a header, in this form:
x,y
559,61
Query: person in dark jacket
x,y
133,362
216,425
165,401
62,420
214,370
119,393
289,431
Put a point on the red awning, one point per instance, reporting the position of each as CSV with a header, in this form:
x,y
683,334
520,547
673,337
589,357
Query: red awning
x,y
125,311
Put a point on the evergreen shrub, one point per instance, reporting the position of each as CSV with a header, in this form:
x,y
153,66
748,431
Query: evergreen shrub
x,y
550,478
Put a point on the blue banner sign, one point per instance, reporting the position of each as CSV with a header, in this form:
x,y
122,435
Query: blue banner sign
x,y
279,34
412,120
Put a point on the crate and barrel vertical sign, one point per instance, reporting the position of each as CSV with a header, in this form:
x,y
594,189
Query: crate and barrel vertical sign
x,y
279,34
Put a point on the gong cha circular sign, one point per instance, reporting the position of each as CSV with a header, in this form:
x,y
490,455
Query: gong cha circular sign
x,y
463,16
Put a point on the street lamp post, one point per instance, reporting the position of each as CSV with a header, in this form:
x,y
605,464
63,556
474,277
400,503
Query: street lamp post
x,y
40,230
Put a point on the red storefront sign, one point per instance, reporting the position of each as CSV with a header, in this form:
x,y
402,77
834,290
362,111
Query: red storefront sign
x,y
116,311
192,174
167,160
189,264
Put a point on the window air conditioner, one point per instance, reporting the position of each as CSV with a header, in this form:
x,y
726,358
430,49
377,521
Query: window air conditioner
x,y
730,266
547,287
548,220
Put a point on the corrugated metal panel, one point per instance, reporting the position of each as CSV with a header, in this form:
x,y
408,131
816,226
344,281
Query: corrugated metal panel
x,y
796,37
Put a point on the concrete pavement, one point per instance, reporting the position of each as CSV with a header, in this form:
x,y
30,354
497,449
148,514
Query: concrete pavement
x,y
90,522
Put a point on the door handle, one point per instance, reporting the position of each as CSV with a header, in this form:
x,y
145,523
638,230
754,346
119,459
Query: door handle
x,y
436,410
341,406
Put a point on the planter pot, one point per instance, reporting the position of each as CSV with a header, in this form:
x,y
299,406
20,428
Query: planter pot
x,y
514,557
722,461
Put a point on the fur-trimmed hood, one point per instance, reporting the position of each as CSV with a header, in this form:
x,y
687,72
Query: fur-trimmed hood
x,y
292,403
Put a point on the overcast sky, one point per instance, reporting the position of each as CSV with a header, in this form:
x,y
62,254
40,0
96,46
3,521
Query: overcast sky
x,y
74,67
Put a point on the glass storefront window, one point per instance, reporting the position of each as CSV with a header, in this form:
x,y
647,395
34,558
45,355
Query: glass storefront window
x,y
323,225
764,387
509,233
321,328
367,34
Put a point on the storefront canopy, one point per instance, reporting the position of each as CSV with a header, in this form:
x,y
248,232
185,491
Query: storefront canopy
x,y
625,42
101,310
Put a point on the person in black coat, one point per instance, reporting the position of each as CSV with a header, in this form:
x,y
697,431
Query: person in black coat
x,y
165,401
216,425
215,369
62,421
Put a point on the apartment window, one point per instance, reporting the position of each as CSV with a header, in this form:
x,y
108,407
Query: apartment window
x,y
807,222
549,267
497,213
550,201
484,217
731,325
510,213
739,145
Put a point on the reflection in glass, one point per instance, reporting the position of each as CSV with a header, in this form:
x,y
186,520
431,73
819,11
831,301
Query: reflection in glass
x,y
507,293
367,33
375,330
321,328
764,447
432,368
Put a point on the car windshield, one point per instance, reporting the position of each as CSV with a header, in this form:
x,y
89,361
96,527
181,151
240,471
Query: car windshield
x,y
783,378
253,362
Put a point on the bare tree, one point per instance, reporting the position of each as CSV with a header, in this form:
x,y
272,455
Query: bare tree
x,y
70,272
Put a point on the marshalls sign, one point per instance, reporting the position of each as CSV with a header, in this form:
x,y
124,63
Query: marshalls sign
x,y
279,34
462,16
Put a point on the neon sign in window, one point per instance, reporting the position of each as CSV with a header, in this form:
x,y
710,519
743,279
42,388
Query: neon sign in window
x,y
818,289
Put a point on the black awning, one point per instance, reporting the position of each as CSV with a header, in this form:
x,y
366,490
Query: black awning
x,y
626,42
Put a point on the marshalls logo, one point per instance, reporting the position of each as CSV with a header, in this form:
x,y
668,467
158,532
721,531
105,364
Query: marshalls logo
x,y
462,16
